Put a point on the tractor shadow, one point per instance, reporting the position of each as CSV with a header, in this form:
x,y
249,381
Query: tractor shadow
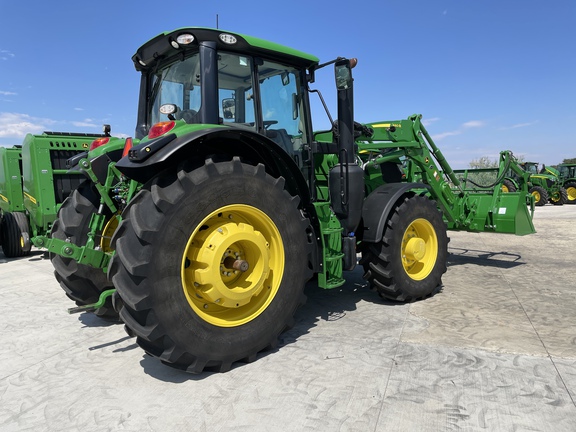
x,y
34,255
322,305
503,260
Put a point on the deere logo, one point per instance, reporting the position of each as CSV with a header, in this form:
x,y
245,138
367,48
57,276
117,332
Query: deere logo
x,y
84,145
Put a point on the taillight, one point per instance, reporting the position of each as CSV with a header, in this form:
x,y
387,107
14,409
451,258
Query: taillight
x,y
160,129
127,146
99,142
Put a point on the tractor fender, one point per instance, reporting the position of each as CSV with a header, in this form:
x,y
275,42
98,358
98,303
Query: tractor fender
x,y
378,205
216,142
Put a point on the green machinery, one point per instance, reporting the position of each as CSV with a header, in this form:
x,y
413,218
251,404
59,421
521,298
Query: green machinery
x,y
508,176
13,221
229,202
544,185
567,174
36,182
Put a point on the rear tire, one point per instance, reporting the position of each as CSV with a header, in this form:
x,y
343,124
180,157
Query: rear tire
x,y
180,296
570,192
540,195
83,284
508,186
15,232
409,261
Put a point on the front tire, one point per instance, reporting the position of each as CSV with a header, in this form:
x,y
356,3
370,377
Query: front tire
x,y
210,264
508,186
83,284
540,195
15,232
409,261
560,197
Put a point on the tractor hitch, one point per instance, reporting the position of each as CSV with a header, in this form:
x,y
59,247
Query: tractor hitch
x,y
93,306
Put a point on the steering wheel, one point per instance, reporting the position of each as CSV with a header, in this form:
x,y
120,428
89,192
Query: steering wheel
x,y
189,116
268,123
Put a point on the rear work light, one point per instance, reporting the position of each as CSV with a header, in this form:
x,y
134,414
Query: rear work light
x,y
127,146
98,142
160,129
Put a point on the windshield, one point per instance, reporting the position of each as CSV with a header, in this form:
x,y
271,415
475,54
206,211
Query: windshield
x,y
279,90
177,84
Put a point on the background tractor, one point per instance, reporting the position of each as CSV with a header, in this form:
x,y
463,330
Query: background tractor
x,y
567,174
544,185
228,201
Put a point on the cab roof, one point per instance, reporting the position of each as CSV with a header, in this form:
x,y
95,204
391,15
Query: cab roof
x,y
162,47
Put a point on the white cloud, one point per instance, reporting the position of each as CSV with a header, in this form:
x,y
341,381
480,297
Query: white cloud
x,y
86,123
7,93
460,130
428,121
445,134
519,125
473,123
5,55
17,125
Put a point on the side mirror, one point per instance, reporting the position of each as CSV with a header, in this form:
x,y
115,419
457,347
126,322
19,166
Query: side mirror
x,y
343,73
228,108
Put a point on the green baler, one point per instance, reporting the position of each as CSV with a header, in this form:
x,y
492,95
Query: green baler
x,y
36,181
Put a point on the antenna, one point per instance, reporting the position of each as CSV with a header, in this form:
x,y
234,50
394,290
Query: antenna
x,y
217,21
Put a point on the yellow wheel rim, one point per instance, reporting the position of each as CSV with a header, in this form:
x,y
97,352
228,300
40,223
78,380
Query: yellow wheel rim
x,y
232,265
419,249
536,196
571,192
505,189
108,231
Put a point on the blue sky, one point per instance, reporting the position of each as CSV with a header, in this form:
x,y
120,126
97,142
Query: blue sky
x,y
487,75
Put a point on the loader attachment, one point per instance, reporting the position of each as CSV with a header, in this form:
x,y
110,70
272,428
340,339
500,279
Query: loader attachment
x,y
499,212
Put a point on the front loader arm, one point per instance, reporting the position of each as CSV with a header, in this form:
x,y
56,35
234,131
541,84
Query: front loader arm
x,y
408,140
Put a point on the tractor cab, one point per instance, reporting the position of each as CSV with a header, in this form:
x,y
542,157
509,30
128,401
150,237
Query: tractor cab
x,y
204,88
530,167
197,79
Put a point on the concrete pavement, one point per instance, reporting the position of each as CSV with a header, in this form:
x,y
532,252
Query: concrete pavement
x,y
495,350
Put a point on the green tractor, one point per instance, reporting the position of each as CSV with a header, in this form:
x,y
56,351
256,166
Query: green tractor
x,y
544,185
229,202
567,174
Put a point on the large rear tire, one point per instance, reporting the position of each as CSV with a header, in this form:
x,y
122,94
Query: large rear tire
x,y
15,232
82,283
409,261
210,264
570,192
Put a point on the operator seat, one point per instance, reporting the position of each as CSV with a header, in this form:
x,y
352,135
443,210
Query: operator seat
x,y
281,137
